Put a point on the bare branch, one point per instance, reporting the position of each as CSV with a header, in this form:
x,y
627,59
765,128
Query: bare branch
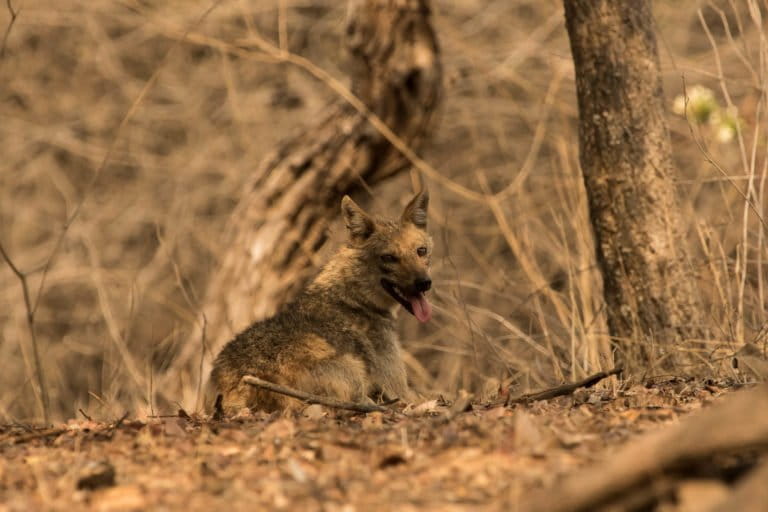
x,y
14,16
564,389
202,359
313,399
39,372
43,434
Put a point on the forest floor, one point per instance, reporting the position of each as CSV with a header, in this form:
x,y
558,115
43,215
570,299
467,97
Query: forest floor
x,y
427,457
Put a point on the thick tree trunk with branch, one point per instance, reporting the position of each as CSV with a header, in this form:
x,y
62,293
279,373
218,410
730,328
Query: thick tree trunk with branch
x,y
625,158
282,219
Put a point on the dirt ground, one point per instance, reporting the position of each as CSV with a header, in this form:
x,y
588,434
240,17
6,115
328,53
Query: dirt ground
x,y
427,457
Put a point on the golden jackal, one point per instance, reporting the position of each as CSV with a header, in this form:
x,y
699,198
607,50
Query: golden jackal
x,y
338,337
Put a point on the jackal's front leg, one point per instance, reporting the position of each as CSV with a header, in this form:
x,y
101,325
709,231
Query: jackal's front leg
x,y
391,381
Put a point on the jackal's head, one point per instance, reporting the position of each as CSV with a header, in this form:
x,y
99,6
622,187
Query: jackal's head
x,y
395,254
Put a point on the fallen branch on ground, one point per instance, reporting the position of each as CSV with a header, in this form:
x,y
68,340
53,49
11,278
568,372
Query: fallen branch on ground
x,y
563,389
43,434
738,425
313,399
750,494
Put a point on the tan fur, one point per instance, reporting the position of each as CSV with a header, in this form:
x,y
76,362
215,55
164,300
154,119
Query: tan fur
x,y
338,337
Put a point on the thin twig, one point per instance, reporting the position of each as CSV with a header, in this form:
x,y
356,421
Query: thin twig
x,y
56,432
564,389
313,399
39,372
202,360
111,430
14,16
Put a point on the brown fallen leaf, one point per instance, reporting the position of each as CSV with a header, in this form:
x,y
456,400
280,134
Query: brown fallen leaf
x,y
373,420
496,413
174,427
122,498
281,428
314,412
529,437
423,408
570,441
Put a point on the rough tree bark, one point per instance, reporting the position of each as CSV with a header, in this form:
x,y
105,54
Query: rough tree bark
x,y
281,221
625,158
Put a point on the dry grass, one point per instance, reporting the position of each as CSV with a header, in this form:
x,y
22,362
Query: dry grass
x,y
127,130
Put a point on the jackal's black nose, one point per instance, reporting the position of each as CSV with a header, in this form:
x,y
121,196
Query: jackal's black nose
x,y
422,285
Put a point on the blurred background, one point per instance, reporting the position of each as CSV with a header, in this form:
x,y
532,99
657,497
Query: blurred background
x,y
145,143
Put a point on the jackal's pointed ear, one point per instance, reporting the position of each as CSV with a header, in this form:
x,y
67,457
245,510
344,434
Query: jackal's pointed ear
x,y
359,224
416,211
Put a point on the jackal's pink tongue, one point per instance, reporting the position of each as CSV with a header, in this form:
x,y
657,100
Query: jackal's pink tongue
x,y
422,309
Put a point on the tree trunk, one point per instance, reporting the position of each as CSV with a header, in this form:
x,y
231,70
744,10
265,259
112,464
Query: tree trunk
x,y
625,157
282,219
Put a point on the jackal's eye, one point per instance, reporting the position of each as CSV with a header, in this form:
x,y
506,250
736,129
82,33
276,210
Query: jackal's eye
x,y
388,258
421,251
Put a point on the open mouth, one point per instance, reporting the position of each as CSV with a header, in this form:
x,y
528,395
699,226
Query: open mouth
x,y
416,304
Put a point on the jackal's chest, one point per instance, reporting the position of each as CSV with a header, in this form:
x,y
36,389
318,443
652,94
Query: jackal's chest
x,y
386,369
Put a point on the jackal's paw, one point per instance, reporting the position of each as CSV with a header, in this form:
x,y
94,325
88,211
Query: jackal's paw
x,y
376,397
405,397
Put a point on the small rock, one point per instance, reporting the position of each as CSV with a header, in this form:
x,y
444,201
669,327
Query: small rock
x,y
96,474
393,455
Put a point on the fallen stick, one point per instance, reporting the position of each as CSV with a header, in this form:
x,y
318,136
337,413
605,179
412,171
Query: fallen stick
x,y
54,432
563,389
309,398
